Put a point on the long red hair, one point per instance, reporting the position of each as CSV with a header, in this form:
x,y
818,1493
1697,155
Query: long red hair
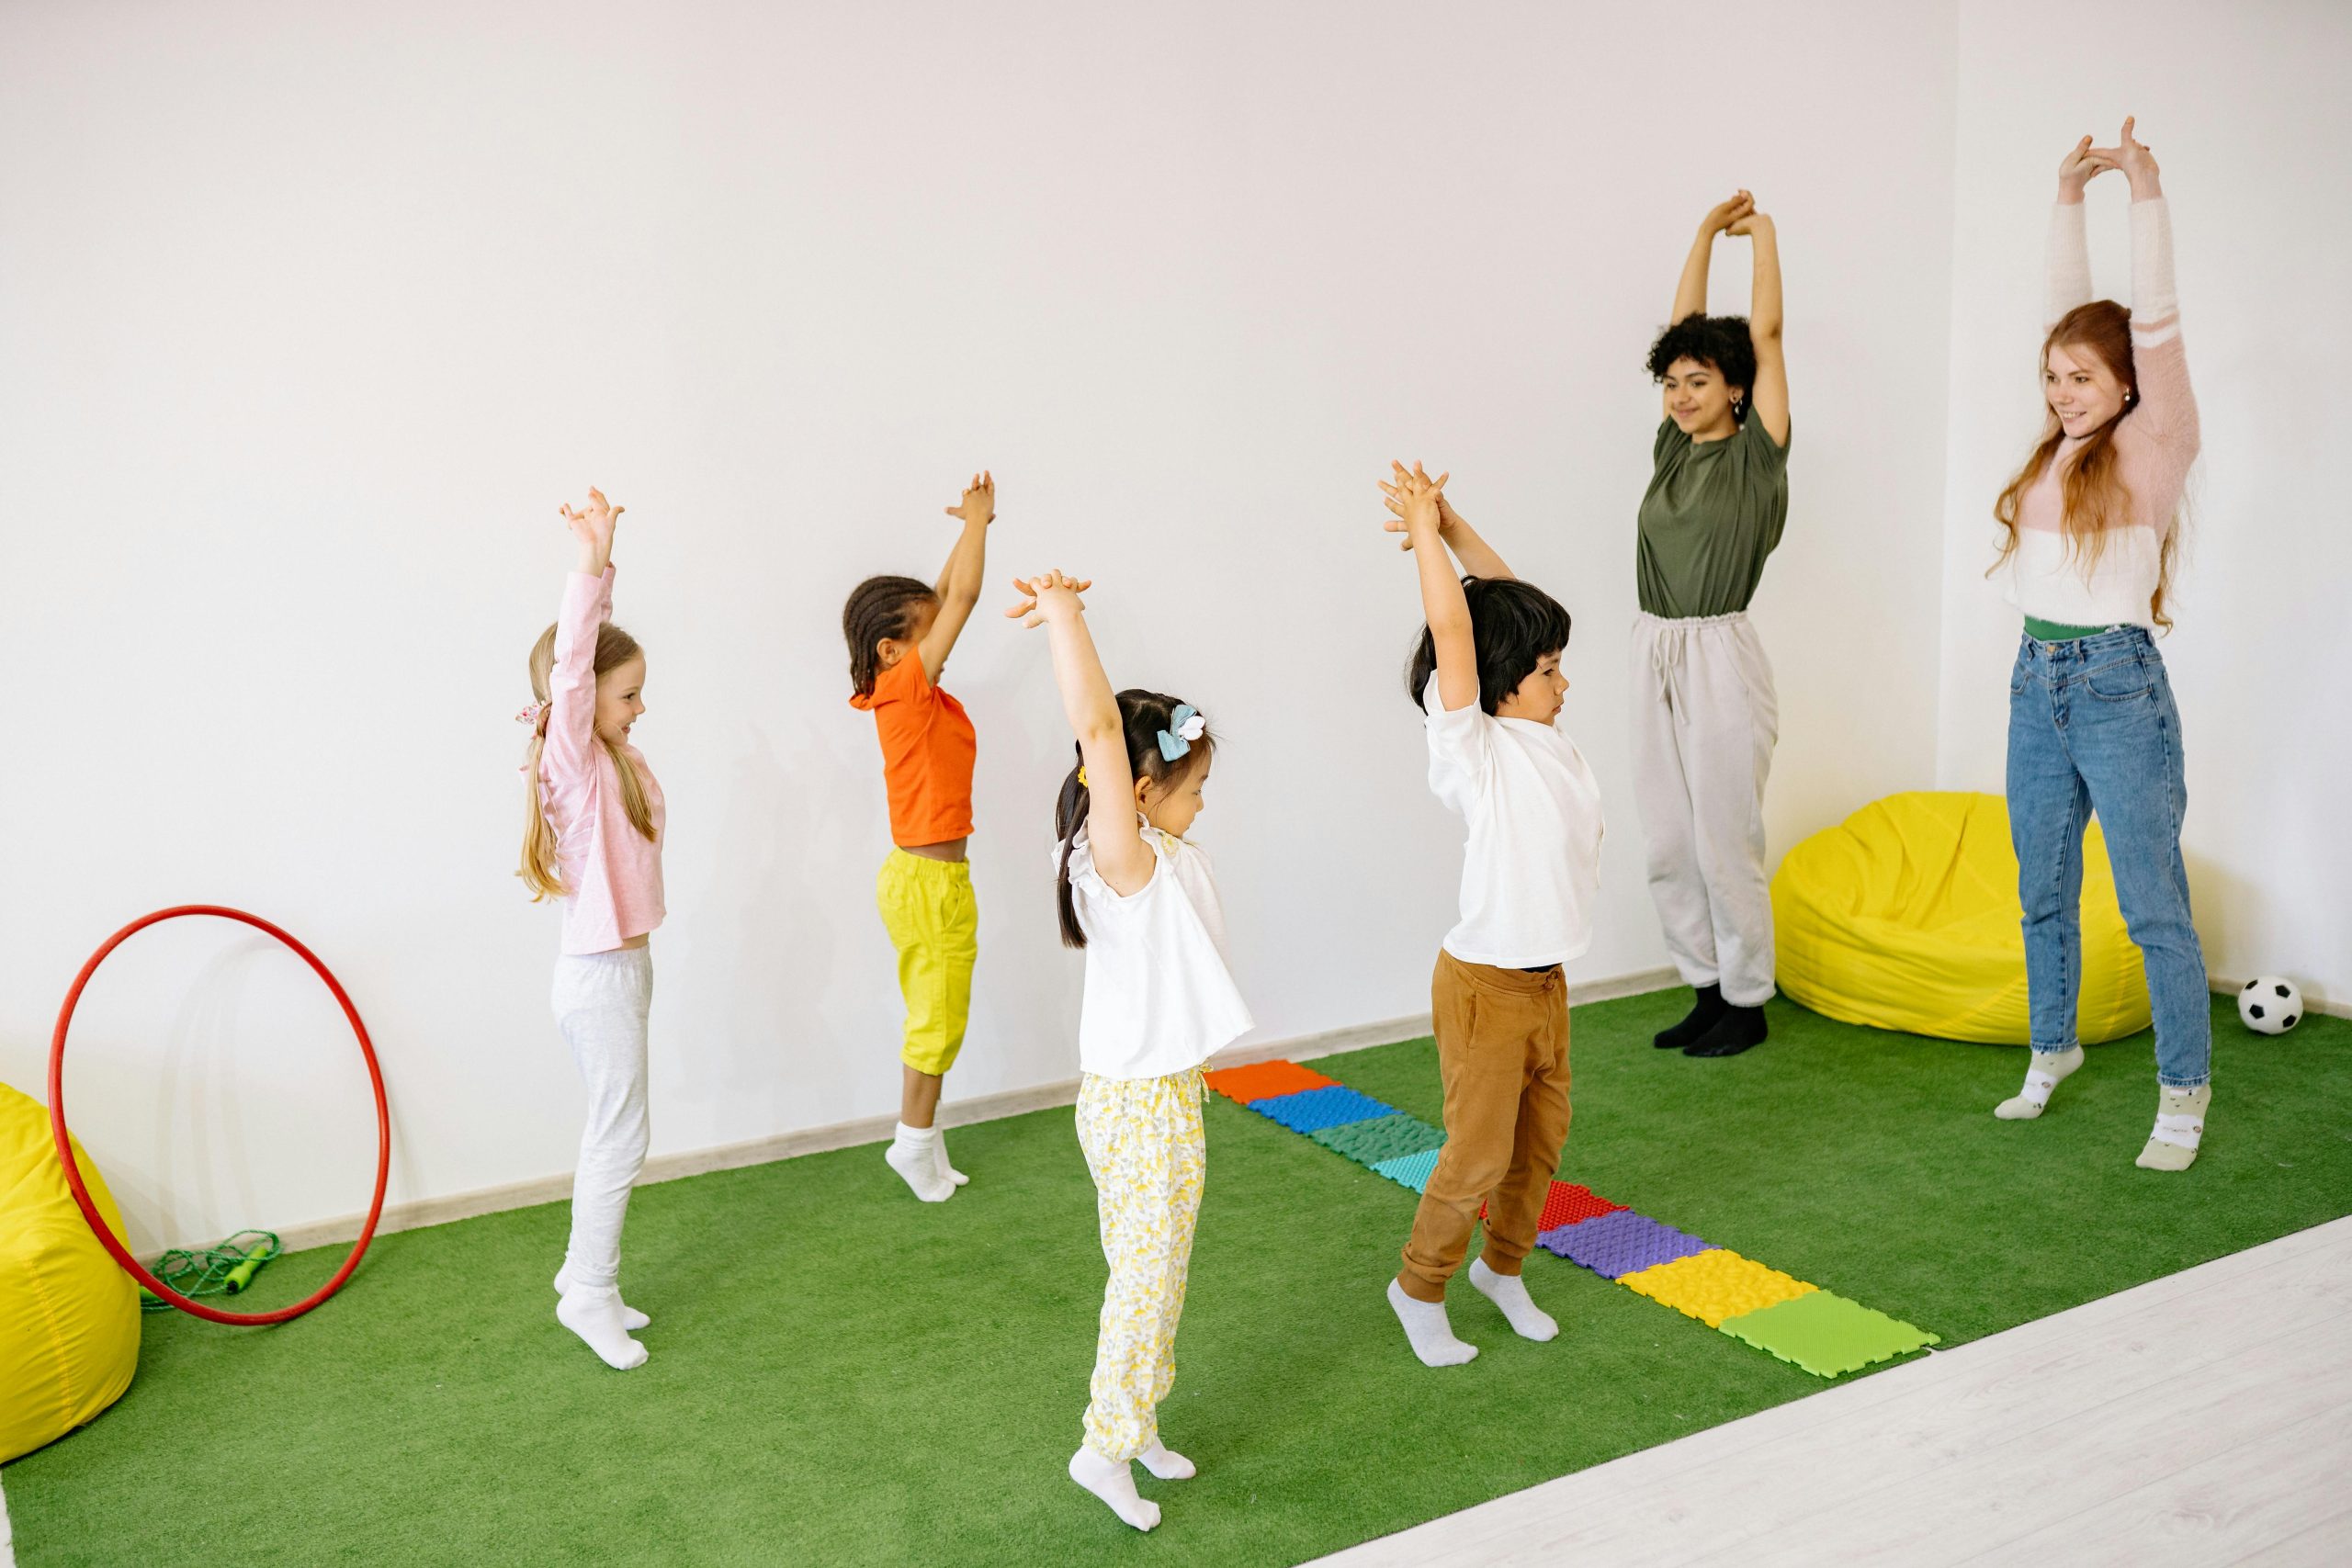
x,y
2094,496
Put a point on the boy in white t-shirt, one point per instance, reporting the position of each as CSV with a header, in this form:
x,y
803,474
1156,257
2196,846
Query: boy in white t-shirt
x,y
1488,676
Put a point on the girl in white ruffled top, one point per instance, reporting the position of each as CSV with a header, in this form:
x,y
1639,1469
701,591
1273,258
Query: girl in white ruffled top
x,y
1160,1000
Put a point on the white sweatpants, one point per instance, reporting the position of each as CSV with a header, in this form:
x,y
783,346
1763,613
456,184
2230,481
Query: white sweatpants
x,y
1705,720
601,1001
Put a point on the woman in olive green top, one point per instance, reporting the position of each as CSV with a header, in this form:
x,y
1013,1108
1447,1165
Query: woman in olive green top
x,y
1704,714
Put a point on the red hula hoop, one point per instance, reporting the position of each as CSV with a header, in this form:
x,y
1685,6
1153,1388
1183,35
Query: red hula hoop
x,y
74,1172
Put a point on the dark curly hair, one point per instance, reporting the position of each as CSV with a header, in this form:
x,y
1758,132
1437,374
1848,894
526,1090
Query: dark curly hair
x,y
1514,625
879,607
1719,342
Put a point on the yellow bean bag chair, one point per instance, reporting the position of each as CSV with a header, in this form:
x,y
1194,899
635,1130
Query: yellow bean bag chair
x,y
1905,917
69,1315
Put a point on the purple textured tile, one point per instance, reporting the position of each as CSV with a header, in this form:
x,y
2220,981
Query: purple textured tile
x,y
1617,1243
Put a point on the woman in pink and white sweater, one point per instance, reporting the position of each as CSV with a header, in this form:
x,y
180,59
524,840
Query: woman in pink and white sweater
x,y
592,839
2090,532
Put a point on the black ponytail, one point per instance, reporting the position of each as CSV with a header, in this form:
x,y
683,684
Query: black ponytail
x,y
1070,811
1142,715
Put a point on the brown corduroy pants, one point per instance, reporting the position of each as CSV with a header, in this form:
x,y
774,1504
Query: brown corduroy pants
x,y
1502,1050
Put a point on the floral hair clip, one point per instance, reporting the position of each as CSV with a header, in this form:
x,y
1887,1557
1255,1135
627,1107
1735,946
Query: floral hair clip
x,y
1082,777
1184,727
532,714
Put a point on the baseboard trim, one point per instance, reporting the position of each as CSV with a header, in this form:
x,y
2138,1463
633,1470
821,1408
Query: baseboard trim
x,y
424,1211
2313,1001
420,1212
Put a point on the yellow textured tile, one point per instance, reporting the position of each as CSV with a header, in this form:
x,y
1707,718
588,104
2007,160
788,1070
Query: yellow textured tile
x,y
1713,1285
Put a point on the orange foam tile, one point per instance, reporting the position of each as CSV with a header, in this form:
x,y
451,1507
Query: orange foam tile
x,y
1264,1080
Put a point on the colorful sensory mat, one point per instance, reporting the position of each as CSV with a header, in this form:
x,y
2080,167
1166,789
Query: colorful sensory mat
x,y
1801,1324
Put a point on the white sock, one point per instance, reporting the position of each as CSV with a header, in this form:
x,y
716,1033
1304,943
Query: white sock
x,y
911,1155
1509,1292
595,1316
1426,1326
631,1319
2180,1125
2042,1075
1111,1480
939,1157
1166,1463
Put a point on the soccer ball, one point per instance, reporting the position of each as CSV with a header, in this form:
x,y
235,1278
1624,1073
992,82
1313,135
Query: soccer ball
x,y
2270,1005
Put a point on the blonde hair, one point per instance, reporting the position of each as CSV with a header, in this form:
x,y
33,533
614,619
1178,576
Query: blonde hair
x,y
2093,496
614,648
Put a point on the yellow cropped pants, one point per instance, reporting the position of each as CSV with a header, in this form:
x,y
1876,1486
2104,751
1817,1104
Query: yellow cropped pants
x,y
928,908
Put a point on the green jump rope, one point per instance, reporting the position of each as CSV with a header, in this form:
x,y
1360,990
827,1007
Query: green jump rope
x,y
222,1271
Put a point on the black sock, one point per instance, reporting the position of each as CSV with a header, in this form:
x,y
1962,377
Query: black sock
x,y
1702,1015
1734,1031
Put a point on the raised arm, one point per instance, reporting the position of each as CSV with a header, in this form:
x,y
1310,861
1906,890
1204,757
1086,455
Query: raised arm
x,y
1470,549
1444,605
1476,556
959,581
2166,407
2068,251
587,605
1051,600
1691,289
1769,398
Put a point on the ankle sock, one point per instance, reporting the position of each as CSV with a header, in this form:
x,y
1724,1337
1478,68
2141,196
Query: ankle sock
x,y
2043,1074
1703,1014
1509,1292
631,1319
595,1316
913,1155
1426,1328
947,1172
1111,1480
1166,1463
2180,1125
1735,1031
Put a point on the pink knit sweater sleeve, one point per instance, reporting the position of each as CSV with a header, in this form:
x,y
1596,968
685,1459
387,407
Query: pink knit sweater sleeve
x,y
569,758
2166,412
2066,255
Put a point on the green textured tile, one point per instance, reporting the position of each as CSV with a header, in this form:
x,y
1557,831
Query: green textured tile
x,y
1827,1335
1384,1137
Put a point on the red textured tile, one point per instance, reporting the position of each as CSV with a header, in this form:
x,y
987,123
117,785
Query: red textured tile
x,y
1570,1201
1568,1204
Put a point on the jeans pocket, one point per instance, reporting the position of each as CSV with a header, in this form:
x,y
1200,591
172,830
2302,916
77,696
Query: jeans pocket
x,y
2120,681
2018,676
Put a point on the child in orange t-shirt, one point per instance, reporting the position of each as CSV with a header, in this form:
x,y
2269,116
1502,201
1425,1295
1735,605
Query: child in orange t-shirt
x,y
900,632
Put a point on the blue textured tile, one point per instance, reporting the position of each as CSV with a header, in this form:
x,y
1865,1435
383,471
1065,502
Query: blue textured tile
x,y
1315,1109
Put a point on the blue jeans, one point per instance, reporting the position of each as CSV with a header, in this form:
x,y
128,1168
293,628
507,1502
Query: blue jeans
x,y
2093,728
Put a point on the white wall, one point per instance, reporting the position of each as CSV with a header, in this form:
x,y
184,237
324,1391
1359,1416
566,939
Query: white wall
x,y
2244,107
310,316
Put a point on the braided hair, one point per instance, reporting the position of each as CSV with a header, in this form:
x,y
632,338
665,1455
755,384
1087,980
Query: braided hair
x,y
879,607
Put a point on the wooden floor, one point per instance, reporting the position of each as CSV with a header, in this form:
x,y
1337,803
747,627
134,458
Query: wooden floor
x,y
2204,1418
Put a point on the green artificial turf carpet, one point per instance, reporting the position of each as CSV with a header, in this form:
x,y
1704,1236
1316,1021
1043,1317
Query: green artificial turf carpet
x,y
842,1375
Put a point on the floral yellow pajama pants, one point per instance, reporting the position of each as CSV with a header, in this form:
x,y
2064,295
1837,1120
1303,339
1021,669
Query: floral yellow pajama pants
x,y
1149,1154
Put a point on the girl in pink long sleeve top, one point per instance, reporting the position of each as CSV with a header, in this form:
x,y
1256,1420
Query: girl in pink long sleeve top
x,y
611,870
592,839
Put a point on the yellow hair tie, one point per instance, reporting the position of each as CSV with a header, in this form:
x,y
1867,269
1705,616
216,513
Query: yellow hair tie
x,y
1082,777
